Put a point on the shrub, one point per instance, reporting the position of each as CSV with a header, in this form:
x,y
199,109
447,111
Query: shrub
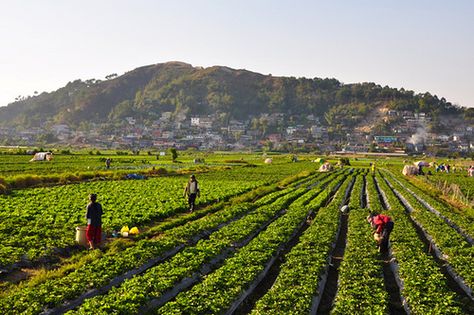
x,y
158,171
344,161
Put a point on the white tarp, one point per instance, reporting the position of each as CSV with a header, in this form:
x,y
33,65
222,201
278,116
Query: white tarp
x,y
42,156
326,167
268,161
410,170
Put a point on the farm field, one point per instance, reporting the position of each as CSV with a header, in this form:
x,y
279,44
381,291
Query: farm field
x,y
17,164
265,239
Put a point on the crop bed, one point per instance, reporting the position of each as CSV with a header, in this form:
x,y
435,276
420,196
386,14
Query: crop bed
x,y
36,222
270,252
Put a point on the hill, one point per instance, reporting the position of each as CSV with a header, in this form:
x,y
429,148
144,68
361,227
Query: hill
x,y
146,92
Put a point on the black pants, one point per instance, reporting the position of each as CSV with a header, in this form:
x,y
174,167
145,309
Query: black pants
x,y
386,236
191,200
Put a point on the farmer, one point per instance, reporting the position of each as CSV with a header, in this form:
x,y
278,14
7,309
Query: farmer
x,y
420,169
107,163
94,222
191,191
383,225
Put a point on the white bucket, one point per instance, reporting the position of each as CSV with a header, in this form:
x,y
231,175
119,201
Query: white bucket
x,y
81,237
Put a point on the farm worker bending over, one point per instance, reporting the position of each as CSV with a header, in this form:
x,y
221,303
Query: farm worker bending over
x,y
383,225
94,222
192,191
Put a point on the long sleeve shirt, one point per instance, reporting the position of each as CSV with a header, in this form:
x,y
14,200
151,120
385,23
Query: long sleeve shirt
x,y
94,214
380,221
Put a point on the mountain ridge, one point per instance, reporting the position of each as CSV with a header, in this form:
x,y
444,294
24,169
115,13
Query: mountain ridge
x,y
148,91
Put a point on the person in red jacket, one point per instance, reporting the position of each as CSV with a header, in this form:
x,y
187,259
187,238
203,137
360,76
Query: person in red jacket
x,y
383,225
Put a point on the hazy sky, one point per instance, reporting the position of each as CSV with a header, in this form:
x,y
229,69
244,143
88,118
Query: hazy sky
x,y
421,45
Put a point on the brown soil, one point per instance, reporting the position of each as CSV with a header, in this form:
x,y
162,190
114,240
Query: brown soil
x,y
20,275
372,119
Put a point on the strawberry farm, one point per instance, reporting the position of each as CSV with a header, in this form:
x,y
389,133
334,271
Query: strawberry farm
x,y
264,239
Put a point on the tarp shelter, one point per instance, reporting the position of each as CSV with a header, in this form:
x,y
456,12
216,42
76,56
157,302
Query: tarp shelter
x,y
410,170
268,161
42,156
422,163
326,167
319,160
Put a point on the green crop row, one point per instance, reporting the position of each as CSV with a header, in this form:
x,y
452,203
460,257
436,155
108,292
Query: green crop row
x,y
360,284
101,271
98,273
455,249
462,219
131,295
33,222
458,181
221,288
424,286
298,281
134,293
373,200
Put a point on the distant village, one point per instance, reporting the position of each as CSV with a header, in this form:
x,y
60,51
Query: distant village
x,y
268,131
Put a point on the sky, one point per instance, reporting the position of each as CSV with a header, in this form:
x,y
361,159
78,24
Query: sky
x,y
420,45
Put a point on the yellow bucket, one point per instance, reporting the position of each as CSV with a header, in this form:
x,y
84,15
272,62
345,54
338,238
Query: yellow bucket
x,y
81,238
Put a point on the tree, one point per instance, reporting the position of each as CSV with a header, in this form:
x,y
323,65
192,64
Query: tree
x,y
372,147
47,138
111,76
174,154
268,146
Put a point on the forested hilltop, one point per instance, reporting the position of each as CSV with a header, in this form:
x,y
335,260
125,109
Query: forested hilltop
x,y
146,92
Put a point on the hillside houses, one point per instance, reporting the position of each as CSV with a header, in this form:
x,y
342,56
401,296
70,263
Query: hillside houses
x,y
276,130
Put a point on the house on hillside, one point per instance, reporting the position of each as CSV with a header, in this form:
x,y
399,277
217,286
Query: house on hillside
x,y
205,122
386,141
